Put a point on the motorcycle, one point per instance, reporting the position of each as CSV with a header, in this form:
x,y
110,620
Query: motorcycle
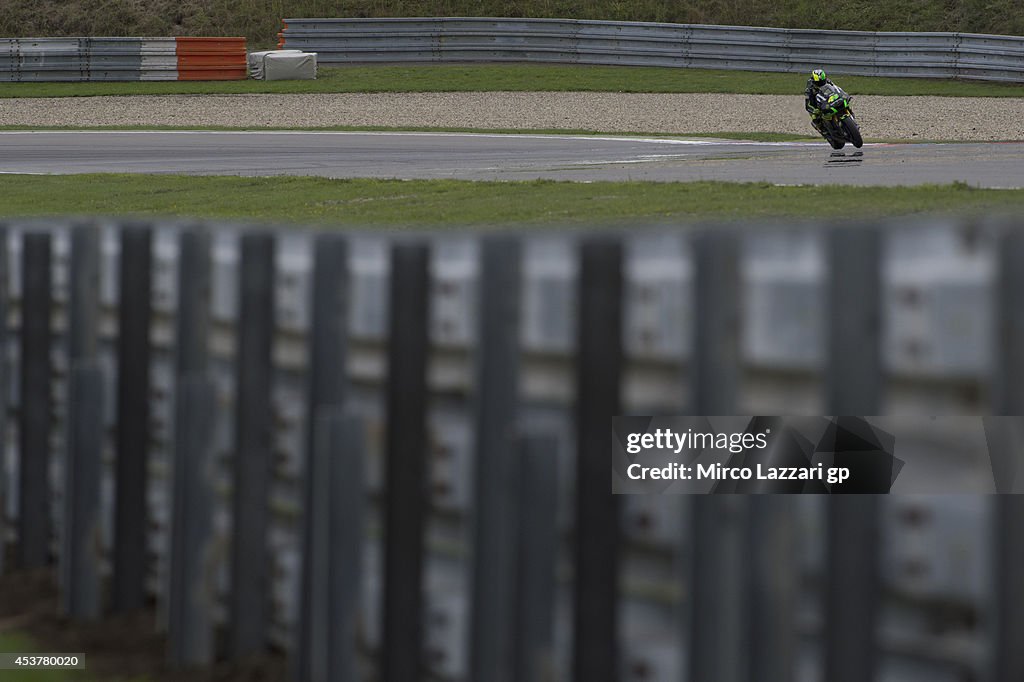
x,y
839,125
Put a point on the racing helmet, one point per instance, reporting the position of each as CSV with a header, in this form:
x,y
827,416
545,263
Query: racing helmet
x,y
819,77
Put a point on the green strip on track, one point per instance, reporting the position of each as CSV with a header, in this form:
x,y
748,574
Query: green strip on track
x,y
527,77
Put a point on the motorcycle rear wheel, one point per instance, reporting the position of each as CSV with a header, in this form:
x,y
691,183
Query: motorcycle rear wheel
x,y
836,144
853,132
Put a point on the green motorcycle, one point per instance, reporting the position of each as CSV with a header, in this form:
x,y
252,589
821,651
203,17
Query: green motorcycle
x,y
838,124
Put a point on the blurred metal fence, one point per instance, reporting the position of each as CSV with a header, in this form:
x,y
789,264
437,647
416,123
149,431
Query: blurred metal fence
x,y
122,59
572,41
389,451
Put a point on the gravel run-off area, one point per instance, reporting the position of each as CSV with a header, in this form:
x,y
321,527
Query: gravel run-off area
x,y
925,118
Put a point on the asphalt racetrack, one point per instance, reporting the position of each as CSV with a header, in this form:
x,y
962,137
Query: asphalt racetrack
x,y
473,156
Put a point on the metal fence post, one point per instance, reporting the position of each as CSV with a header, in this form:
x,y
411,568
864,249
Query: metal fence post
x,y
192,323
855,378
1006,662
83,292
407,476
85,431
772,574
348,520
34,430
537,550
334,547
714,366
717,565
191,337
5,383
192,581
326,372
252,462
133,428
329,330
496,415
81,556
854,372
598,375
716,581
852,591
1007,372
1007,656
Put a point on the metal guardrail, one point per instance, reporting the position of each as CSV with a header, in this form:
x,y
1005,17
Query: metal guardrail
x,y
226,364
459,39
122,59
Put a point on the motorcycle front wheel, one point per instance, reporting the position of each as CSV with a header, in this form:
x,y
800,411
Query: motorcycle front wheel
x,y
853,132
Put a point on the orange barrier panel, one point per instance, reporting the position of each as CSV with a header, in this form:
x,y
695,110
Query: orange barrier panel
x,y
211,59
280,35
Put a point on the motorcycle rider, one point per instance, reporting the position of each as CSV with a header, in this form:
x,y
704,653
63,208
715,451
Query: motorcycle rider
x,y
817,81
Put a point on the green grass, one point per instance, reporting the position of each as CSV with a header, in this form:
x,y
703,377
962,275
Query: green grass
x,y
260,19
526,77
451,202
